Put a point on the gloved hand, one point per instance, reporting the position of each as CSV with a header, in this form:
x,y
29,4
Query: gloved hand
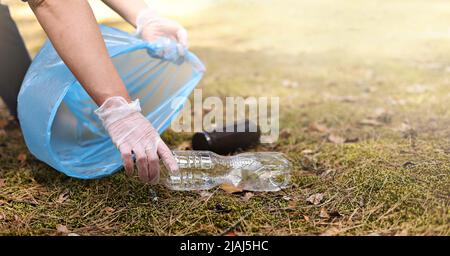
x,y
150,26
131,132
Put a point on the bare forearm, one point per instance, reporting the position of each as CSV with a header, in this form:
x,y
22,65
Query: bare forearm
x,y
129,10
73,31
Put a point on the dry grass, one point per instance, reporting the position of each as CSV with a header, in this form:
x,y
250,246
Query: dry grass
x,y
348,61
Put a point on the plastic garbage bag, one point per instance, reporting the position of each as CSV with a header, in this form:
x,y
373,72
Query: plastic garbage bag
x,y
57,115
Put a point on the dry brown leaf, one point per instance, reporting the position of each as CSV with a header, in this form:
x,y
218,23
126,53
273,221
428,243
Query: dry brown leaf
x,y
308,151
22,157
2,133
315,199
370,122
285,134
292,204
62,197
336,139
2,183
230,188
109,210
404,232
324,213
231,233
331,232
3,123
316,127
62,229
247,196
306,217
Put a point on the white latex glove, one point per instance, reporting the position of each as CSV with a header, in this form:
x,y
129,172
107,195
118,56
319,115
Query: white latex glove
x,y
132,132
150,27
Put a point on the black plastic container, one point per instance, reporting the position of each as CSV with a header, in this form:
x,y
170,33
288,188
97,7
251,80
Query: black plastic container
x,y
227,142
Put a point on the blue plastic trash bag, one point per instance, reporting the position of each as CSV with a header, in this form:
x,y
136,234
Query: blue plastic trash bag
x,y
57,115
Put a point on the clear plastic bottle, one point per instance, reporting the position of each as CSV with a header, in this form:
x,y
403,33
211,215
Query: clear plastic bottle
x,y
255,171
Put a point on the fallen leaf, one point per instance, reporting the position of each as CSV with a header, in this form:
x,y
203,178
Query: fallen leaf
x,y
331,232
109,210
404,232
323,213
73,234
306,217
2,133
3,123
230,188
22,157
292,204
231,233
308,151
316,127
247,196
62,197
351,140
62,229
336,139
315,199
2,183
285,134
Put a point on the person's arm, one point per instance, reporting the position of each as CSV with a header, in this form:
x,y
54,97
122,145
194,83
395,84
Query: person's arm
x,y
73,31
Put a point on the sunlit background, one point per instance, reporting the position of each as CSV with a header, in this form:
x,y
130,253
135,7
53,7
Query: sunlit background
x,y
390,29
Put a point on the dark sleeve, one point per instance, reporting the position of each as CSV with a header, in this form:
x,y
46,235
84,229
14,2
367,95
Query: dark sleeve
x,y
14,60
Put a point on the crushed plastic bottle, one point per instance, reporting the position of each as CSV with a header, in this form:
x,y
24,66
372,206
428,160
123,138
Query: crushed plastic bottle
x,y
255,171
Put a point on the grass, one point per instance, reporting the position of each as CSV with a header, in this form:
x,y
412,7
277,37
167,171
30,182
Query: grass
x,y
388,179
